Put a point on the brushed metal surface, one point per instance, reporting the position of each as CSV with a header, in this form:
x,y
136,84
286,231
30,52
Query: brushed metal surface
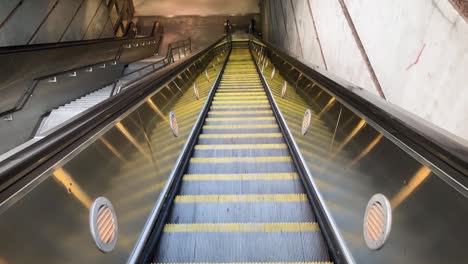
x,y
128,162
357,160
27,93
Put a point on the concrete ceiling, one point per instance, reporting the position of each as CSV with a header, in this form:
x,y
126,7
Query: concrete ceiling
x,y
194,7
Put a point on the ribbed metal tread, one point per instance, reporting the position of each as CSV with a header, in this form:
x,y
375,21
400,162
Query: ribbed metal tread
x,y
241,200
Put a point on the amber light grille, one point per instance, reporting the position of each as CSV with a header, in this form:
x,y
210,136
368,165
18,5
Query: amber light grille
x,y
377,221
103,224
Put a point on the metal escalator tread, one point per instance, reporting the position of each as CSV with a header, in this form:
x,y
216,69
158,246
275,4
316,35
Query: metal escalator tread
x,y
241,199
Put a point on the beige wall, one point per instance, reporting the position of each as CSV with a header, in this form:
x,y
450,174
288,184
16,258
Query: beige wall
x,y
194,7
416,48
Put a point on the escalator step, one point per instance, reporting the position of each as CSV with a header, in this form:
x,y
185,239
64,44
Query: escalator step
x,y
241,199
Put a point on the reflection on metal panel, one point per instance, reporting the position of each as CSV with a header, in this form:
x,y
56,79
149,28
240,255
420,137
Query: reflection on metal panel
x,y
367,149
72,187
413,184
364,162
128,162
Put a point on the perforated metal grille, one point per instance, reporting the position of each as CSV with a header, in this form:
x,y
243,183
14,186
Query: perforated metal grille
x,y
173,124
377,221
284,89
306,122
195,91
105,224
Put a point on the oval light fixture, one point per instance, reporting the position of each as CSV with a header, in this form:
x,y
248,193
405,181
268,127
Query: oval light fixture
x,y
377,221
195,91
173,123
283,90
306,122
103,224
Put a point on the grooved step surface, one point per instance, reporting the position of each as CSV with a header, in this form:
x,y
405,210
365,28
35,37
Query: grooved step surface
x,y
241,199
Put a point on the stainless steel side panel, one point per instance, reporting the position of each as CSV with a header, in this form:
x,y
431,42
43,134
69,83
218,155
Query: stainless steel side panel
x,y
128,162
350,159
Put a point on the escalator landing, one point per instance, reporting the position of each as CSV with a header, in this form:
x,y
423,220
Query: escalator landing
x,y
241,199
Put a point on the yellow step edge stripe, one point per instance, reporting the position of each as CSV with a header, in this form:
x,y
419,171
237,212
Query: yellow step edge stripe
x,y
239,98
241,146
251,112
256,88
240,177
234,102
241,93
240,84
240,106
247,135
240,87
263,118
315,262
238,79
241,159
244,227
249,88
237,83
245,198
240,126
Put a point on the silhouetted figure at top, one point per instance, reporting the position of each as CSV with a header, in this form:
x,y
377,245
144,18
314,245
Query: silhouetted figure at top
x,y
252,26
227,26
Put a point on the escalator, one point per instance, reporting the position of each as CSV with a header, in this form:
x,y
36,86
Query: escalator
x,y
241,199
237,153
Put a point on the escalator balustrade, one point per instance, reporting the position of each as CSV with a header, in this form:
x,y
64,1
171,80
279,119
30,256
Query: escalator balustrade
x,y
241,198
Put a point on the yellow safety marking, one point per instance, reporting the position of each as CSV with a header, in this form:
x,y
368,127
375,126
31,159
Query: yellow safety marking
x,y
240,106
236,81
243,198
242,96
238,84
224,98
241,159
239,90
240,126
238,102
263,118
252,112
241,177
315,262
242,87
247,135
242,146
245,78
240,93
244,227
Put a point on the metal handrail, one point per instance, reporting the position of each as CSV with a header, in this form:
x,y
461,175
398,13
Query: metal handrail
x,y
446,153
168,59
19,165
158,30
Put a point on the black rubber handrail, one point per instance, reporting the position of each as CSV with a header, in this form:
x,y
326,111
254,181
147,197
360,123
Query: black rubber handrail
x,y
444,152
168,59
15,168
43,46
157,30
